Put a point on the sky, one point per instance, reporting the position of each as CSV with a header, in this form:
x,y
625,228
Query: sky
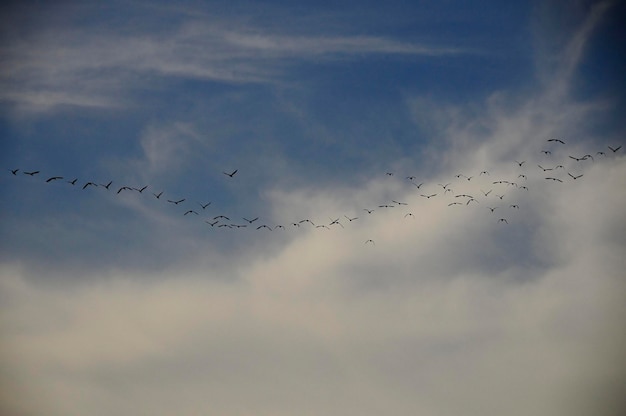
x,y
304,208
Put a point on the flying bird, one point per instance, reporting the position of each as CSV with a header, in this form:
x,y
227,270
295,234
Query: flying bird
x,y
204,205
191,211
546,152
351,219
614,149
444,186
33,173
493,209
176,202
555,179
212,224
157,196
252,220
369,211
263,226
231,174
429,196
140,190
409,215
545,169
556,140
370,241
486,193
14,171
124,188
107,185
399,203
54,178
514,206
89,184
574,177
520,163
221,216
418,186
454,203
503,220
484,172
73,181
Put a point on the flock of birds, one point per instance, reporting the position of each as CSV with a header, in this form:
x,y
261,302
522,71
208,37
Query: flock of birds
x,y
491,198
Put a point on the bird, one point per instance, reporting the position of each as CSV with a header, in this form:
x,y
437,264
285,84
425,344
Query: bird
x,y
140,190
212,224
577,159
54,178
73,181
124,188
263,226
411,177
306,220
522,176
486,193
429,196
546,152
470,200
231,174
444,186
520,163
157,196
14,171
389,173
252,220
524,188
503,220
484,172
417,186
500,196
514,206
559,167
32,173
454,203
336,222
322,226
614,149
204,205
370,241
460,174
545,169
469,178
107,185
600,153
409,215
221,216
176,202
191,211
493,209
89,184
399,203
277,227
574,177
369,211
555,179
464,196
556,140
351,219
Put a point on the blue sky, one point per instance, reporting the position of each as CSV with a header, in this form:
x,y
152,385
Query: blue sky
x,y
507,301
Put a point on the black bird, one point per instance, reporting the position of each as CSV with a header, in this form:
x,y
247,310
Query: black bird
x,y
14,171
73,181
157,196
503,220
212,224
546,152
522,176
204,205
486,193
524,187
263,226
555,179
493,209
251,221
429,196
335,222
445,186
399,203
500,196
369,211
89,184
556,140
124,188
191,211
370,241
454,203
418,186
351,219
221,216
54,178
600,153
470,200
577,159
231,174
322,226
410,177
559,167
520,163
545,169
176,202
107,185
277,227
307,220
614,149
409,215
514,206
140,190
484,172
33,173
574,177
389,173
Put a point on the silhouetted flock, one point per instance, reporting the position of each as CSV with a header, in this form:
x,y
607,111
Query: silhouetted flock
x,y
492,197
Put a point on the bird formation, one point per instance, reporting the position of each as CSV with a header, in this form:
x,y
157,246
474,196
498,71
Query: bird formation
x,y
453,192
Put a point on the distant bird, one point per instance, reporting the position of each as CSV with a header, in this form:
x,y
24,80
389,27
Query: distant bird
x,y
409,215
385,206
500,196
336,222
577,159
123,188
176,202
277,227
351,219
140,190
524,188
251,221
32,173
231,174
369,211
493,209
600,153
157,196
307,220
520,163
445,186
411,177
370,241
73,181
484,172
554,179
399,203
464,196
89,184
107,185
486,193
454,203
221,216
514,206
545,169
522,176
574,177
556,140
559,167
546,152
614,149
470,200
263,226
14,171
461,175
429,196
418,186
503,220
204,205
225,225
469,178
322,226
54,178
389,173
448,190
191,211
212,223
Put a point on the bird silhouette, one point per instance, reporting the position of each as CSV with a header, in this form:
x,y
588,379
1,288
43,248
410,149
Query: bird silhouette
x,y
486,193
212,224
73,181
493,209
32,173
176,202
503,220
369,211
514,206
252,220
614,149
484,172
370,241
107,185
545,169
157,196
204,205
263,226
520,163
89,184
556,140
140,190
554,179
124,188
54,178
573,176
14,171
351,219
546,152
231,174
454,203
429,196
221,216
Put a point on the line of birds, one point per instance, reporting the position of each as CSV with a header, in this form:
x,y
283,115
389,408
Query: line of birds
x,y
462,199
